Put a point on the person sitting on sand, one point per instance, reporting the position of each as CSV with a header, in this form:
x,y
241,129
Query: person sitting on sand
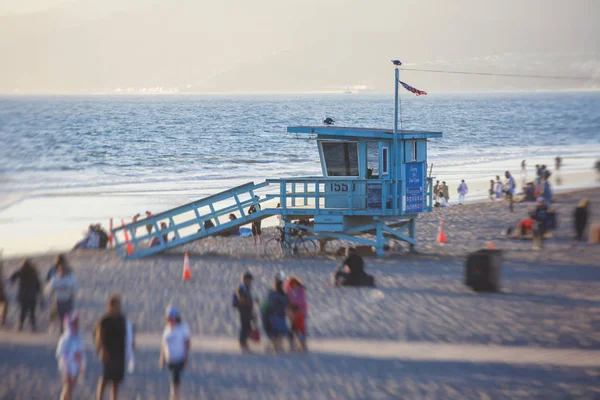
x,y
243,302
352,271
70,354
276,310
235,231
156,240
102,236
442,201
523,229
29,290
581,216
175,349
90,241
296,292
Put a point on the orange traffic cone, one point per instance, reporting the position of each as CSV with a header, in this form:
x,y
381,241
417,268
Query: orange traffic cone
x,y
187,274
491,246
441,235
129,246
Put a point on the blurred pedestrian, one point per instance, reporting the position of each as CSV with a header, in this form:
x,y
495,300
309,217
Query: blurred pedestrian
x,y
3,297
29,291
244,303
175,349
581,217
149,226
70,354
256,225
510,189
114,345
276,312
446,191
62,287
296,292
499,187
462,191
492,191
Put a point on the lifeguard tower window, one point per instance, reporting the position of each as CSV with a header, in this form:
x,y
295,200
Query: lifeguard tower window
x,y
341,158
373,159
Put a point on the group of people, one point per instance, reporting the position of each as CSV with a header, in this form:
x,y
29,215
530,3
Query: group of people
x,y
286,300
60,290
95,238
441,193
113,333
503,189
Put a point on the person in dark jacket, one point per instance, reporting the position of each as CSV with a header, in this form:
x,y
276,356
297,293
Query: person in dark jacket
x,y
29,290
581,218
351,271
242,300
276,311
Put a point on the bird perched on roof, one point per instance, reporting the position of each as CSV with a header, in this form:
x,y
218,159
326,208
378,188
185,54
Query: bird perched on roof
x,y
397,62
328,121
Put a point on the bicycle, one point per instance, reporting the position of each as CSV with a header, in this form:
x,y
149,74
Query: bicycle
x,y
300,246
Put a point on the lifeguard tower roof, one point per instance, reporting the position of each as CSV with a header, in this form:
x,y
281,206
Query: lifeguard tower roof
x,y
371,133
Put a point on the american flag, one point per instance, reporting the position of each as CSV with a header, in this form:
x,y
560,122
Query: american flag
x,y
417,92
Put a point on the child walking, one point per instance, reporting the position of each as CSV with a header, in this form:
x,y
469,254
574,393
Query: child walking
x,y
296,292
70,353
175,349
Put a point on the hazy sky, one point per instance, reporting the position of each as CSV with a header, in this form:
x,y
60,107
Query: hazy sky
x,y
294,45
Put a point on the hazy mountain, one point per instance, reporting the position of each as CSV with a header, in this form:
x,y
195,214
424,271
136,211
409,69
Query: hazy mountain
x,y
295,45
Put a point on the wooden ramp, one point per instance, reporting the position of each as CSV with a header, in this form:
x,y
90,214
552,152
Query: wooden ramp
x,y
190,222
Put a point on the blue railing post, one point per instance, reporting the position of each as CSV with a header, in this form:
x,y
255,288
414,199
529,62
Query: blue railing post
x,y
293,194
317,197
283,195
305,192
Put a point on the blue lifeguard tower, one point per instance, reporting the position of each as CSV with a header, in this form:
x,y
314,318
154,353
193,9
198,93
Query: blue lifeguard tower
x,y
374,182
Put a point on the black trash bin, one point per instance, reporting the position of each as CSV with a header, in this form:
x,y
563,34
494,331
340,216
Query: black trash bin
x,y
482,270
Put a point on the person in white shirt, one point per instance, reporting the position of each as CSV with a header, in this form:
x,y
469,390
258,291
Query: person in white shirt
x,y
70,354
462,191
499,188
175,348
63,288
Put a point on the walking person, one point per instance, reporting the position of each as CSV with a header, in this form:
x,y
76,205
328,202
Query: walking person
x,y
539,230
242,300
256,231
70,353
114,345
62,287
492,191
276,311
462,191
510,188
296,292
29,290
524,167
581,217
175,349
149,226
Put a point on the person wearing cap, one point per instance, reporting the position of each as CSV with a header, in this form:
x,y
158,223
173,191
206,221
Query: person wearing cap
x,y
70,353
175,348
242,300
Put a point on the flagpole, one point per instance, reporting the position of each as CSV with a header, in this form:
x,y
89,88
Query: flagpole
x,y
395,142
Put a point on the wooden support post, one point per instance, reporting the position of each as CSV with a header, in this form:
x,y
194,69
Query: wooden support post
x,y
379,247
412,232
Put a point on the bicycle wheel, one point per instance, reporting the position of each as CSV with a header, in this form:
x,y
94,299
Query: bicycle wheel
x,y
304,247
273,248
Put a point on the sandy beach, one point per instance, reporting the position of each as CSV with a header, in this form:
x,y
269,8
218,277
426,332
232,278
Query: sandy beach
x,y
420,334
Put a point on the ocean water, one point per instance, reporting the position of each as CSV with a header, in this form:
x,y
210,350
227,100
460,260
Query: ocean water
x,y
66,161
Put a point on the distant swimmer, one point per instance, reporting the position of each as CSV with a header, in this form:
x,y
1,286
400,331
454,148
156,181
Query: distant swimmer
x,y
328,121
